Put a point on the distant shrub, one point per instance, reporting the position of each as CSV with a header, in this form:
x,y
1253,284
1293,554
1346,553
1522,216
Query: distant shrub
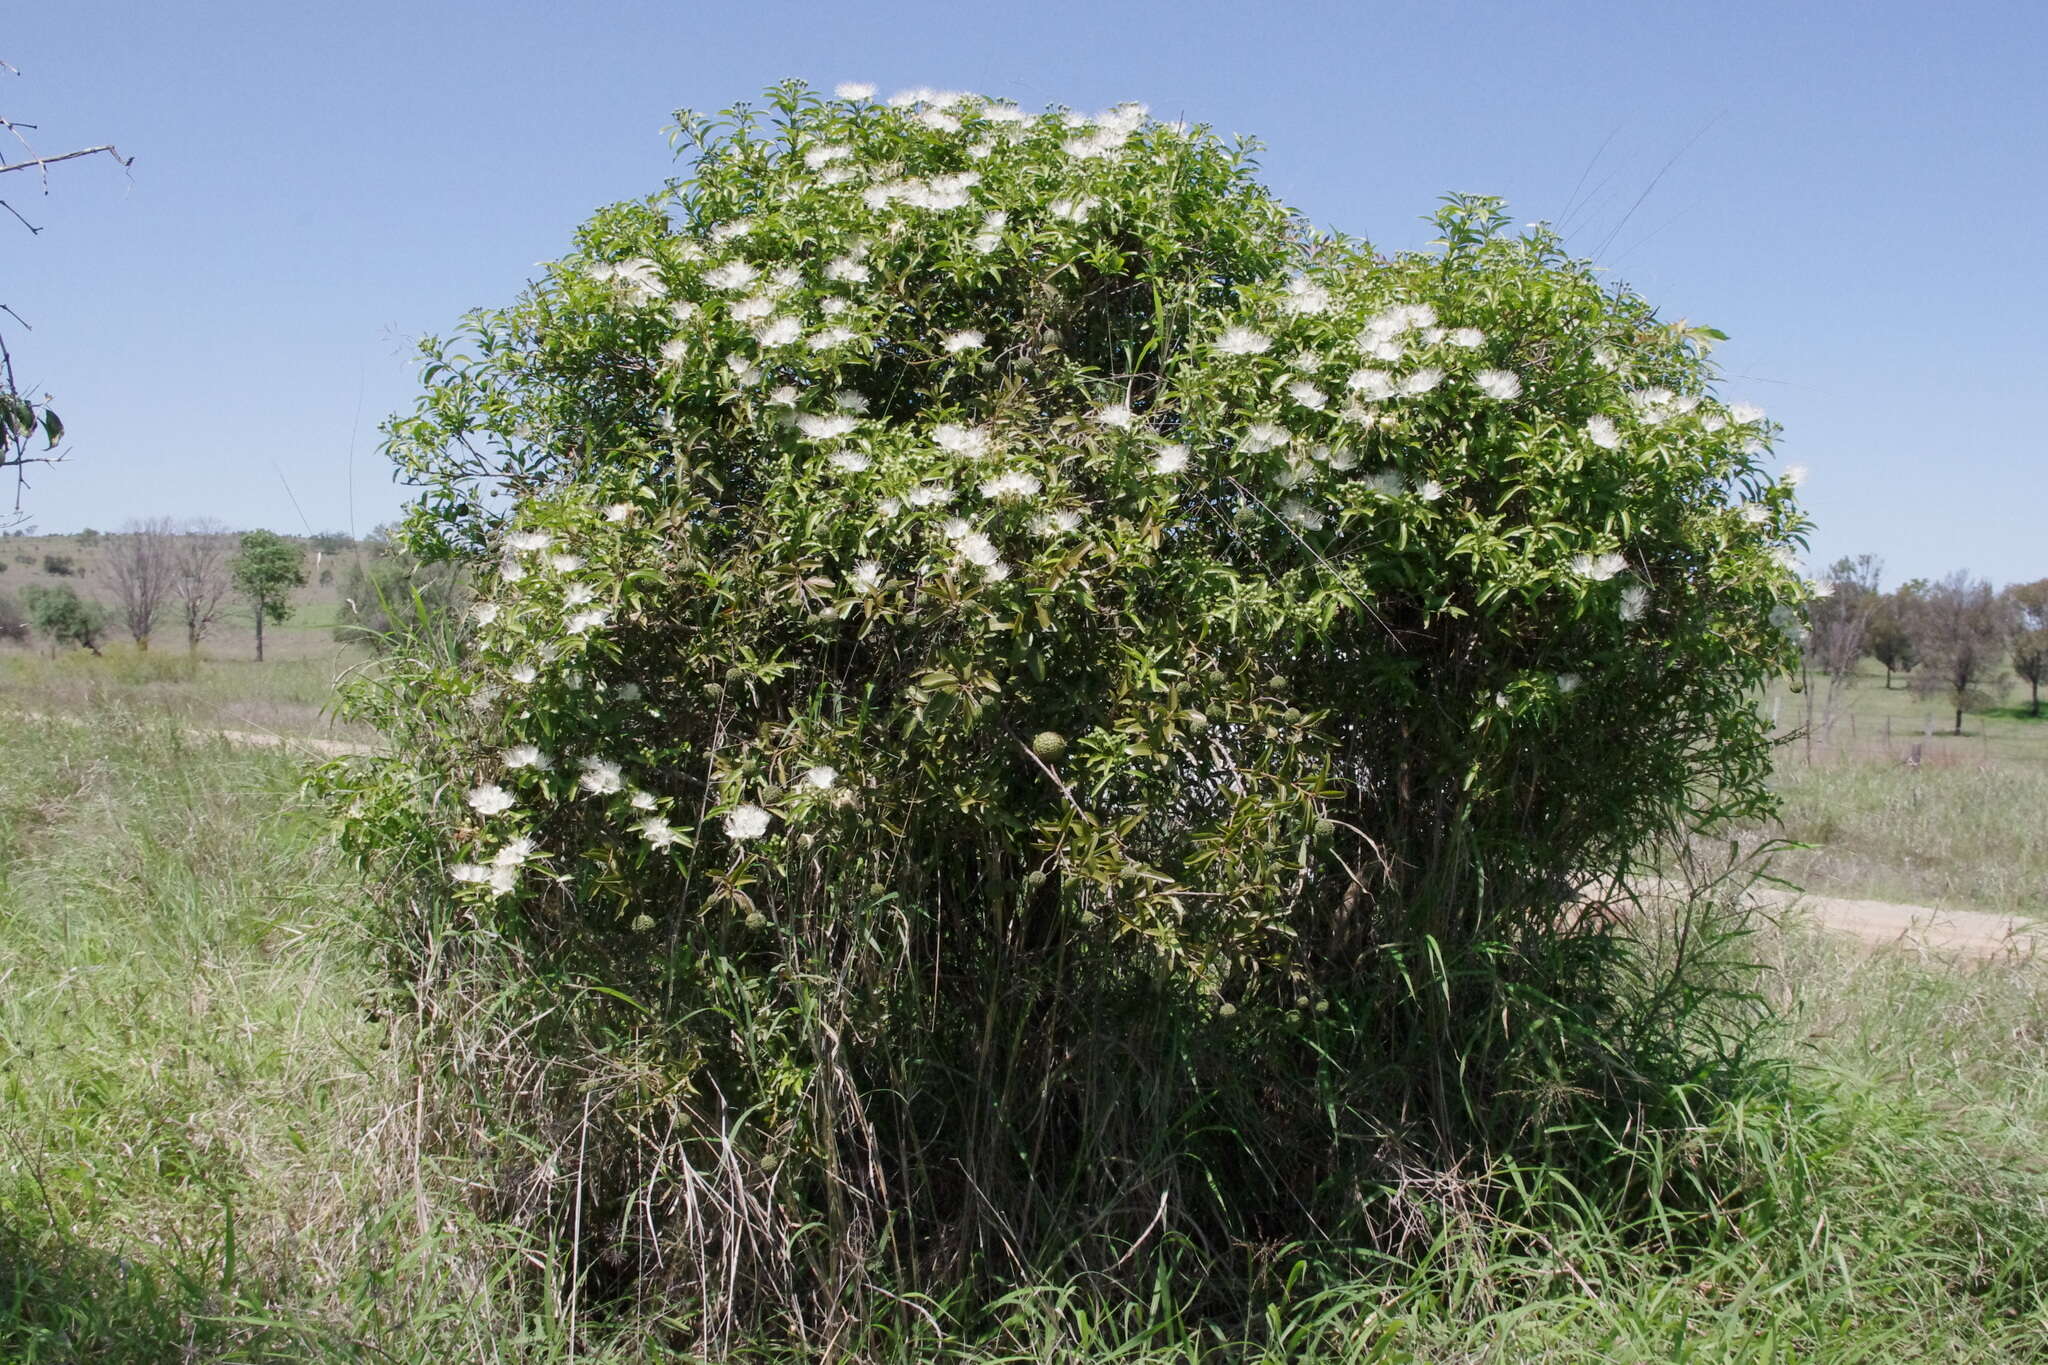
x,y
1030,707
332,542
88,537
13,625
62,617
392,601
59,566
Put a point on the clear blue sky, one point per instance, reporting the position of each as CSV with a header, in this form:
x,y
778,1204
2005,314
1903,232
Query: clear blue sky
x,y
1854,192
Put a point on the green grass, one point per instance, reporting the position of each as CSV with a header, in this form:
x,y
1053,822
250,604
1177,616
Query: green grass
x,y
210,1145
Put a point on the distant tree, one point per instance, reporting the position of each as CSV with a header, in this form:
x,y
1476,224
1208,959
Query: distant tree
x,y
1838,624
199,577
13,625
62,617
265,570
141,567
1961,630
331,542
88,538
2029,607
1891,629
59,566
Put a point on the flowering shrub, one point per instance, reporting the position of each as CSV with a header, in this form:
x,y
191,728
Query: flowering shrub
x,y
1018,692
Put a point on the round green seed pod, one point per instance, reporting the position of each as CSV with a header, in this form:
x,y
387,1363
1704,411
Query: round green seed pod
x,y
642,923
1048,744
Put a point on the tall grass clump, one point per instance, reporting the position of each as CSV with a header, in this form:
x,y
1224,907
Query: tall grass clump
x,y
1036,717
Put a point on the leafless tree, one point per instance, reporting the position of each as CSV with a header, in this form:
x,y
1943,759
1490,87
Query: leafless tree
x,y
1839,630
1962,630
200,577
141,570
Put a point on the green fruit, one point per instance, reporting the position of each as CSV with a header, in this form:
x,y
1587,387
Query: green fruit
x,y
1048,744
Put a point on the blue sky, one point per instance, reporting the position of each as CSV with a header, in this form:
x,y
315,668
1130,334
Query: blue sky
x,y
1853,192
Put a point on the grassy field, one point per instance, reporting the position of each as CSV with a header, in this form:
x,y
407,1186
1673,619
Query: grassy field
x,y
1893,812
210,1146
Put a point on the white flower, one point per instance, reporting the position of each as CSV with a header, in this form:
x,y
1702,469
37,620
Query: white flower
x,y
1429,490
1794,475
1013,484
1467,337
1264,436
619,513
1742,414
1299,512
846,400
978,549
1421,382
971,442
955,527
889,507
1821,589
656,831
489,799
1170,459
1568,682
682,310
1755,513
1307,394
600,778
1713,422
1304,296
830,337
1117,415
940,120
524,673
779,332
824,427
865,577
966,339
529,540
847,270
1243,341
752,308
1386,482
783,396
820,777
1072,210
823,155
586,620
928,495
514,853
1502,384
629,691
1057,523
675,351
485,612
639,279
746,822
852,461
1635,599
579,595
511,570
986,242
1372,385
1602,432
854,90
1599,568
565,563
731,277
501,880
1343,458
726,231
743,369
1432,335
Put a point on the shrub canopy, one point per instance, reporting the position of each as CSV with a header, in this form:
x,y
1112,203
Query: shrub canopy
x,y
986,611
